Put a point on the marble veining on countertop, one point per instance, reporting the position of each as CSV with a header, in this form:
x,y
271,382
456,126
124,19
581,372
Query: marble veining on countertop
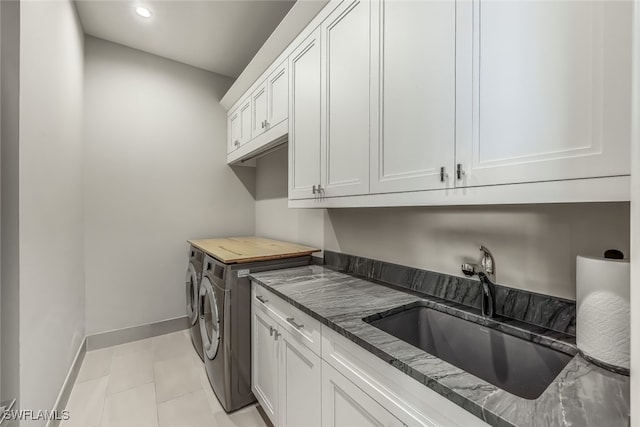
x,y
581,395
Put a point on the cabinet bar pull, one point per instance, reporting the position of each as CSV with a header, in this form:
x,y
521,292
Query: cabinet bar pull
x,y
293,322
314,189
459,171
271,331
443,174
262,299
276,334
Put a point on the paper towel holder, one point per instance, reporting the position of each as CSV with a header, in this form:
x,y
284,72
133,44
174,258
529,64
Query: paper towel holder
x,y
613,254
593,301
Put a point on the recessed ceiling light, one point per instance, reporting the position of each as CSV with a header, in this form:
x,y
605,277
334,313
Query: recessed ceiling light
x,y
143,11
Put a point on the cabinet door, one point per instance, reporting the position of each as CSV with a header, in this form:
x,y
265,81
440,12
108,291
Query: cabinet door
x,y
304,118
245,121
234,128
300,384
264,361
345,405
278,95
550,84
416,134
259,110
345,99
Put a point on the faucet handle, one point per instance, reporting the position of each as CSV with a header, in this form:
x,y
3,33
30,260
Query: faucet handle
x,y
488,262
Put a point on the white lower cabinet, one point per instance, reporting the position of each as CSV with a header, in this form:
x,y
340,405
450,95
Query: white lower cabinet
x,y
286,374
307,375
264,361
299,379
345,405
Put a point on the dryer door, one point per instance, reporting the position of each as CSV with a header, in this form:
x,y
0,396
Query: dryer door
x,y
192,294
209,319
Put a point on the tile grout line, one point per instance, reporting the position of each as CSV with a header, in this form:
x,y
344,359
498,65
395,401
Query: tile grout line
x,y
104,400
155,390
191,361
106,391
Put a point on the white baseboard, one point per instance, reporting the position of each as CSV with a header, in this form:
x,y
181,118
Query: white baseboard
x,y
108,339
135,333
69,381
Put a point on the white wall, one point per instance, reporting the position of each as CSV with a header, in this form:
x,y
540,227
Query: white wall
x,y
156,175
635,223
534,245
9,137
0,205
51,199
273,219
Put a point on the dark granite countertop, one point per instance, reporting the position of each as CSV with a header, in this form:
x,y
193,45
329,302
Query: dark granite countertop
x,y
581,395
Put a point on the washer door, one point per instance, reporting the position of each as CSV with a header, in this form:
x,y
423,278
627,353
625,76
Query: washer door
x,y
192,294
209,319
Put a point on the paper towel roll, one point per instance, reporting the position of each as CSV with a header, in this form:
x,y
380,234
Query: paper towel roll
x,y
603,310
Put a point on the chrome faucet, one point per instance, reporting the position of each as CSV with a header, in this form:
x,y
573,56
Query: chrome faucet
x,y
486,272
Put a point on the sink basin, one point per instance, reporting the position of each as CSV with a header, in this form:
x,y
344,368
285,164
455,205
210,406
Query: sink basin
x,y
518,366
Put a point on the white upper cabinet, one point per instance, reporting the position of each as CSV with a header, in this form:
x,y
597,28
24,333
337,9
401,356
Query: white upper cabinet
x,y
245,122
345,99
417,96
544,90
239,126
278,95
304,118
259,110
259,123
449,102
233,130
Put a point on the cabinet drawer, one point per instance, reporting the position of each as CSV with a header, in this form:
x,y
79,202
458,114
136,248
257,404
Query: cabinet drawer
x,y
346,405
304,328
407,399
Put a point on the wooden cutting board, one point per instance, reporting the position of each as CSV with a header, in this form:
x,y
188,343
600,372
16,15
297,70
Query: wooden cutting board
x,y
232,250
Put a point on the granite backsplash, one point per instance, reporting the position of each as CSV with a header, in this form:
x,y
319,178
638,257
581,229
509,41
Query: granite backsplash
x,y
541,310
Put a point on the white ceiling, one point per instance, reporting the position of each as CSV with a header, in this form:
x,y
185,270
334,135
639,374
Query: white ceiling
x,y
220,36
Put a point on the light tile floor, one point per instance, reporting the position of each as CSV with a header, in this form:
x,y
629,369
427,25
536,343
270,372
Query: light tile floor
x,y
157,382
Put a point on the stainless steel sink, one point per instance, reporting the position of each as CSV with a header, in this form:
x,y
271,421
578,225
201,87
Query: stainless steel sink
x,y
518,366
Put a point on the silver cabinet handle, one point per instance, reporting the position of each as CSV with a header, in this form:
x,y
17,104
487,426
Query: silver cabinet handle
x,y
459,171
262,299
313,190
236,143
271,331
276,334
293,322
443,174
